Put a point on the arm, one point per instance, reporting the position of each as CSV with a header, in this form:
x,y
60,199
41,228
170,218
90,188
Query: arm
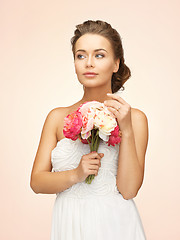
x,y
53,182
42,179
132,151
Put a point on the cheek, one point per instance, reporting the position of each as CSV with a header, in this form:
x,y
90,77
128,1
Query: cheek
x,y
106,67
78,66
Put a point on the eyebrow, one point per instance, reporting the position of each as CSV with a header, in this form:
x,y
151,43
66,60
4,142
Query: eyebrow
x,y
96,50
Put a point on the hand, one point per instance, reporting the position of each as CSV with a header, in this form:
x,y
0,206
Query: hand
x,y
123,114
89,164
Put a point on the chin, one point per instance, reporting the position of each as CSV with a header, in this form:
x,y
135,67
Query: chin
x,y
92,83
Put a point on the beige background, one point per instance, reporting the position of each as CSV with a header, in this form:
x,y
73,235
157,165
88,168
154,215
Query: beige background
x,y
37,74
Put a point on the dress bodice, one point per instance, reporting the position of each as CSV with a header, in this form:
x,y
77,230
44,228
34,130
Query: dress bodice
x,y
67,155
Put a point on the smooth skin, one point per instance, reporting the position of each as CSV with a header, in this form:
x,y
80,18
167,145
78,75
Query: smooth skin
x,y
133,125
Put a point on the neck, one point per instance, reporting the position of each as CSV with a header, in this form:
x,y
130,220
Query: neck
x,y
97,94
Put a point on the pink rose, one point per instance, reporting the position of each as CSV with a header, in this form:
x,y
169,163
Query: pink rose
x,y
114,138
72,125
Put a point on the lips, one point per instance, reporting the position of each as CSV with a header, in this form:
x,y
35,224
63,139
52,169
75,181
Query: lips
x,y
90,73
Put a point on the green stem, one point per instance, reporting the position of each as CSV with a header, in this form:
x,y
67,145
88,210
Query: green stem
x,y
95,139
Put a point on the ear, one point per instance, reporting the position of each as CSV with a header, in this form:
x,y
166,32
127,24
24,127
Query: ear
x,y
116,67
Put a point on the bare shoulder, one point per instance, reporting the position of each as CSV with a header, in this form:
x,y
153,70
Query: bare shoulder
x,y
56,114
141,132
139,122
138,114
48,141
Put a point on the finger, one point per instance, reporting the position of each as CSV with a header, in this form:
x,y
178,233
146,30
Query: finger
x,y
117,97
93,166
95,155
93,172
98,154
101,155
112,103
113,110
95,162
113,113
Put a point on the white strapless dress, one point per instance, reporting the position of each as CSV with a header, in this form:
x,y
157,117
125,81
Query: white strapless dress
x,y
95,211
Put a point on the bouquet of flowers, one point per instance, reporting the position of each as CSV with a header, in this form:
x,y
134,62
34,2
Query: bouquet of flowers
x,y
91,122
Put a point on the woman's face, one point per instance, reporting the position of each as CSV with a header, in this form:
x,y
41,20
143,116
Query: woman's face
x,y
93,53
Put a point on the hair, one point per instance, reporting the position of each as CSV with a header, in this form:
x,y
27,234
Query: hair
x,y
104,29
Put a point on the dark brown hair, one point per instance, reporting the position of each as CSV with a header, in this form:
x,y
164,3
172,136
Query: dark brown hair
x,y
104,29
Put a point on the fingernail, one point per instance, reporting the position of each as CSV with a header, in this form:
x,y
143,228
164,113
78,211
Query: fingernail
x,y
108,93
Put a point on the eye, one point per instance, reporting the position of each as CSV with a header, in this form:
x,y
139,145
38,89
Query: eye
x,y
100,55
79,56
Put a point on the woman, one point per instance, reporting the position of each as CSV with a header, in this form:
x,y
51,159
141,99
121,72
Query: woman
x,y
104,209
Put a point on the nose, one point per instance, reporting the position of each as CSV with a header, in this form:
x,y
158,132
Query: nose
x,y
90,62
